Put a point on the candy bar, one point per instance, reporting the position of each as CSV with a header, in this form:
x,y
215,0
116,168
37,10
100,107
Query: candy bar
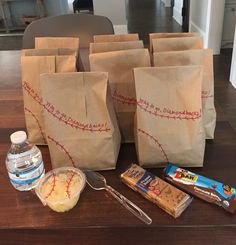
x,y
207,189
164,195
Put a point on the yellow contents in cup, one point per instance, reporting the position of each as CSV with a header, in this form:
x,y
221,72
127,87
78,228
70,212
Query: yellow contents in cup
x,y
60,188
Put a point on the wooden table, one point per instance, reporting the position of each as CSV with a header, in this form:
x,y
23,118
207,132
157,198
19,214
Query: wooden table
x,y
98,218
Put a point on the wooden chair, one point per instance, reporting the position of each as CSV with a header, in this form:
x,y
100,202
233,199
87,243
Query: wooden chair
x,y
84,26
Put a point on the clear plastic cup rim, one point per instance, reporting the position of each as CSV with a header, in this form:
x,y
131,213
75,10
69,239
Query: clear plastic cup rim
x,y
57,171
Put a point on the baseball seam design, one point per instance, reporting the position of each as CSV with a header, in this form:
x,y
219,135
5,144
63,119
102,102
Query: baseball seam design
x,y
62,116
123,99
53,186
37,121
69,185
63,149
151,109
206,94
156,142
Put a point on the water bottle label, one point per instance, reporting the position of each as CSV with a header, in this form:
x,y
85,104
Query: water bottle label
x,y
27,177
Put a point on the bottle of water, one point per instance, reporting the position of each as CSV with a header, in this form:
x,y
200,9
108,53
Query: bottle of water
x,y
24,162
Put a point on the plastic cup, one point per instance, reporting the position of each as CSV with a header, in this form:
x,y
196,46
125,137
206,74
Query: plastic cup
x,y
60,188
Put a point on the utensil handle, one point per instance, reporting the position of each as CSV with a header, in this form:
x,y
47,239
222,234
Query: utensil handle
x,y
129,205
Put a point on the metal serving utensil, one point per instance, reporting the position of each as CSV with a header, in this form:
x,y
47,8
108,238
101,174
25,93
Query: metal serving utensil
x,y
97,182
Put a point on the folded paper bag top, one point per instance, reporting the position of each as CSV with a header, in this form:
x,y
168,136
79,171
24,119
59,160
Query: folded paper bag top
x,y
114,46
177,44
169,35
80,121
60,43
115,38
56,42
50,51
65,58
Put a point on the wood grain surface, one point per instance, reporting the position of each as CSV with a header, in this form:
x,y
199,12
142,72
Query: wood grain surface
x,y
98,218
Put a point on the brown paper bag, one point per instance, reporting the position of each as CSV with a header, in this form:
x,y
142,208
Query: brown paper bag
x,y
115,38
65,58
32,67
49,52
119,65
65,44
56,42
168,121
169,35
196,57
114,46
80,121
177,44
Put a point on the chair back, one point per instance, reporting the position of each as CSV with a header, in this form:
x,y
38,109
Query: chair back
x,y
84,26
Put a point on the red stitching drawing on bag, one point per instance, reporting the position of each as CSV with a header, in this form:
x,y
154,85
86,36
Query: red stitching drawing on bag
x,y
156,142
61,116
63,149
37,121
53,186
167,112
69,184
74,123
207,94
123,99
32,93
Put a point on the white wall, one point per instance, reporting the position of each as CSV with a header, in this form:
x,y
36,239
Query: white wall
x,y
229,24
199,10
113,9
167,3
215,25
177,11
233,63
206,18
58,7
70,5
198,17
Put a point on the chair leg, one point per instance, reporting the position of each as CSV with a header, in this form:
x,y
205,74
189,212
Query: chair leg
x,y
74,8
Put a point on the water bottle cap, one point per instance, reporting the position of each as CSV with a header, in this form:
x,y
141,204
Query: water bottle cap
x,y
18,137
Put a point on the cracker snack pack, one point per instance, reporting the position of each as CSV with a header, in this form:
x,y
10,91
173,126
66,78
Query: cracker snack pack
x,y
156,190
33,63
168,120
202,57
80,121
207,189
